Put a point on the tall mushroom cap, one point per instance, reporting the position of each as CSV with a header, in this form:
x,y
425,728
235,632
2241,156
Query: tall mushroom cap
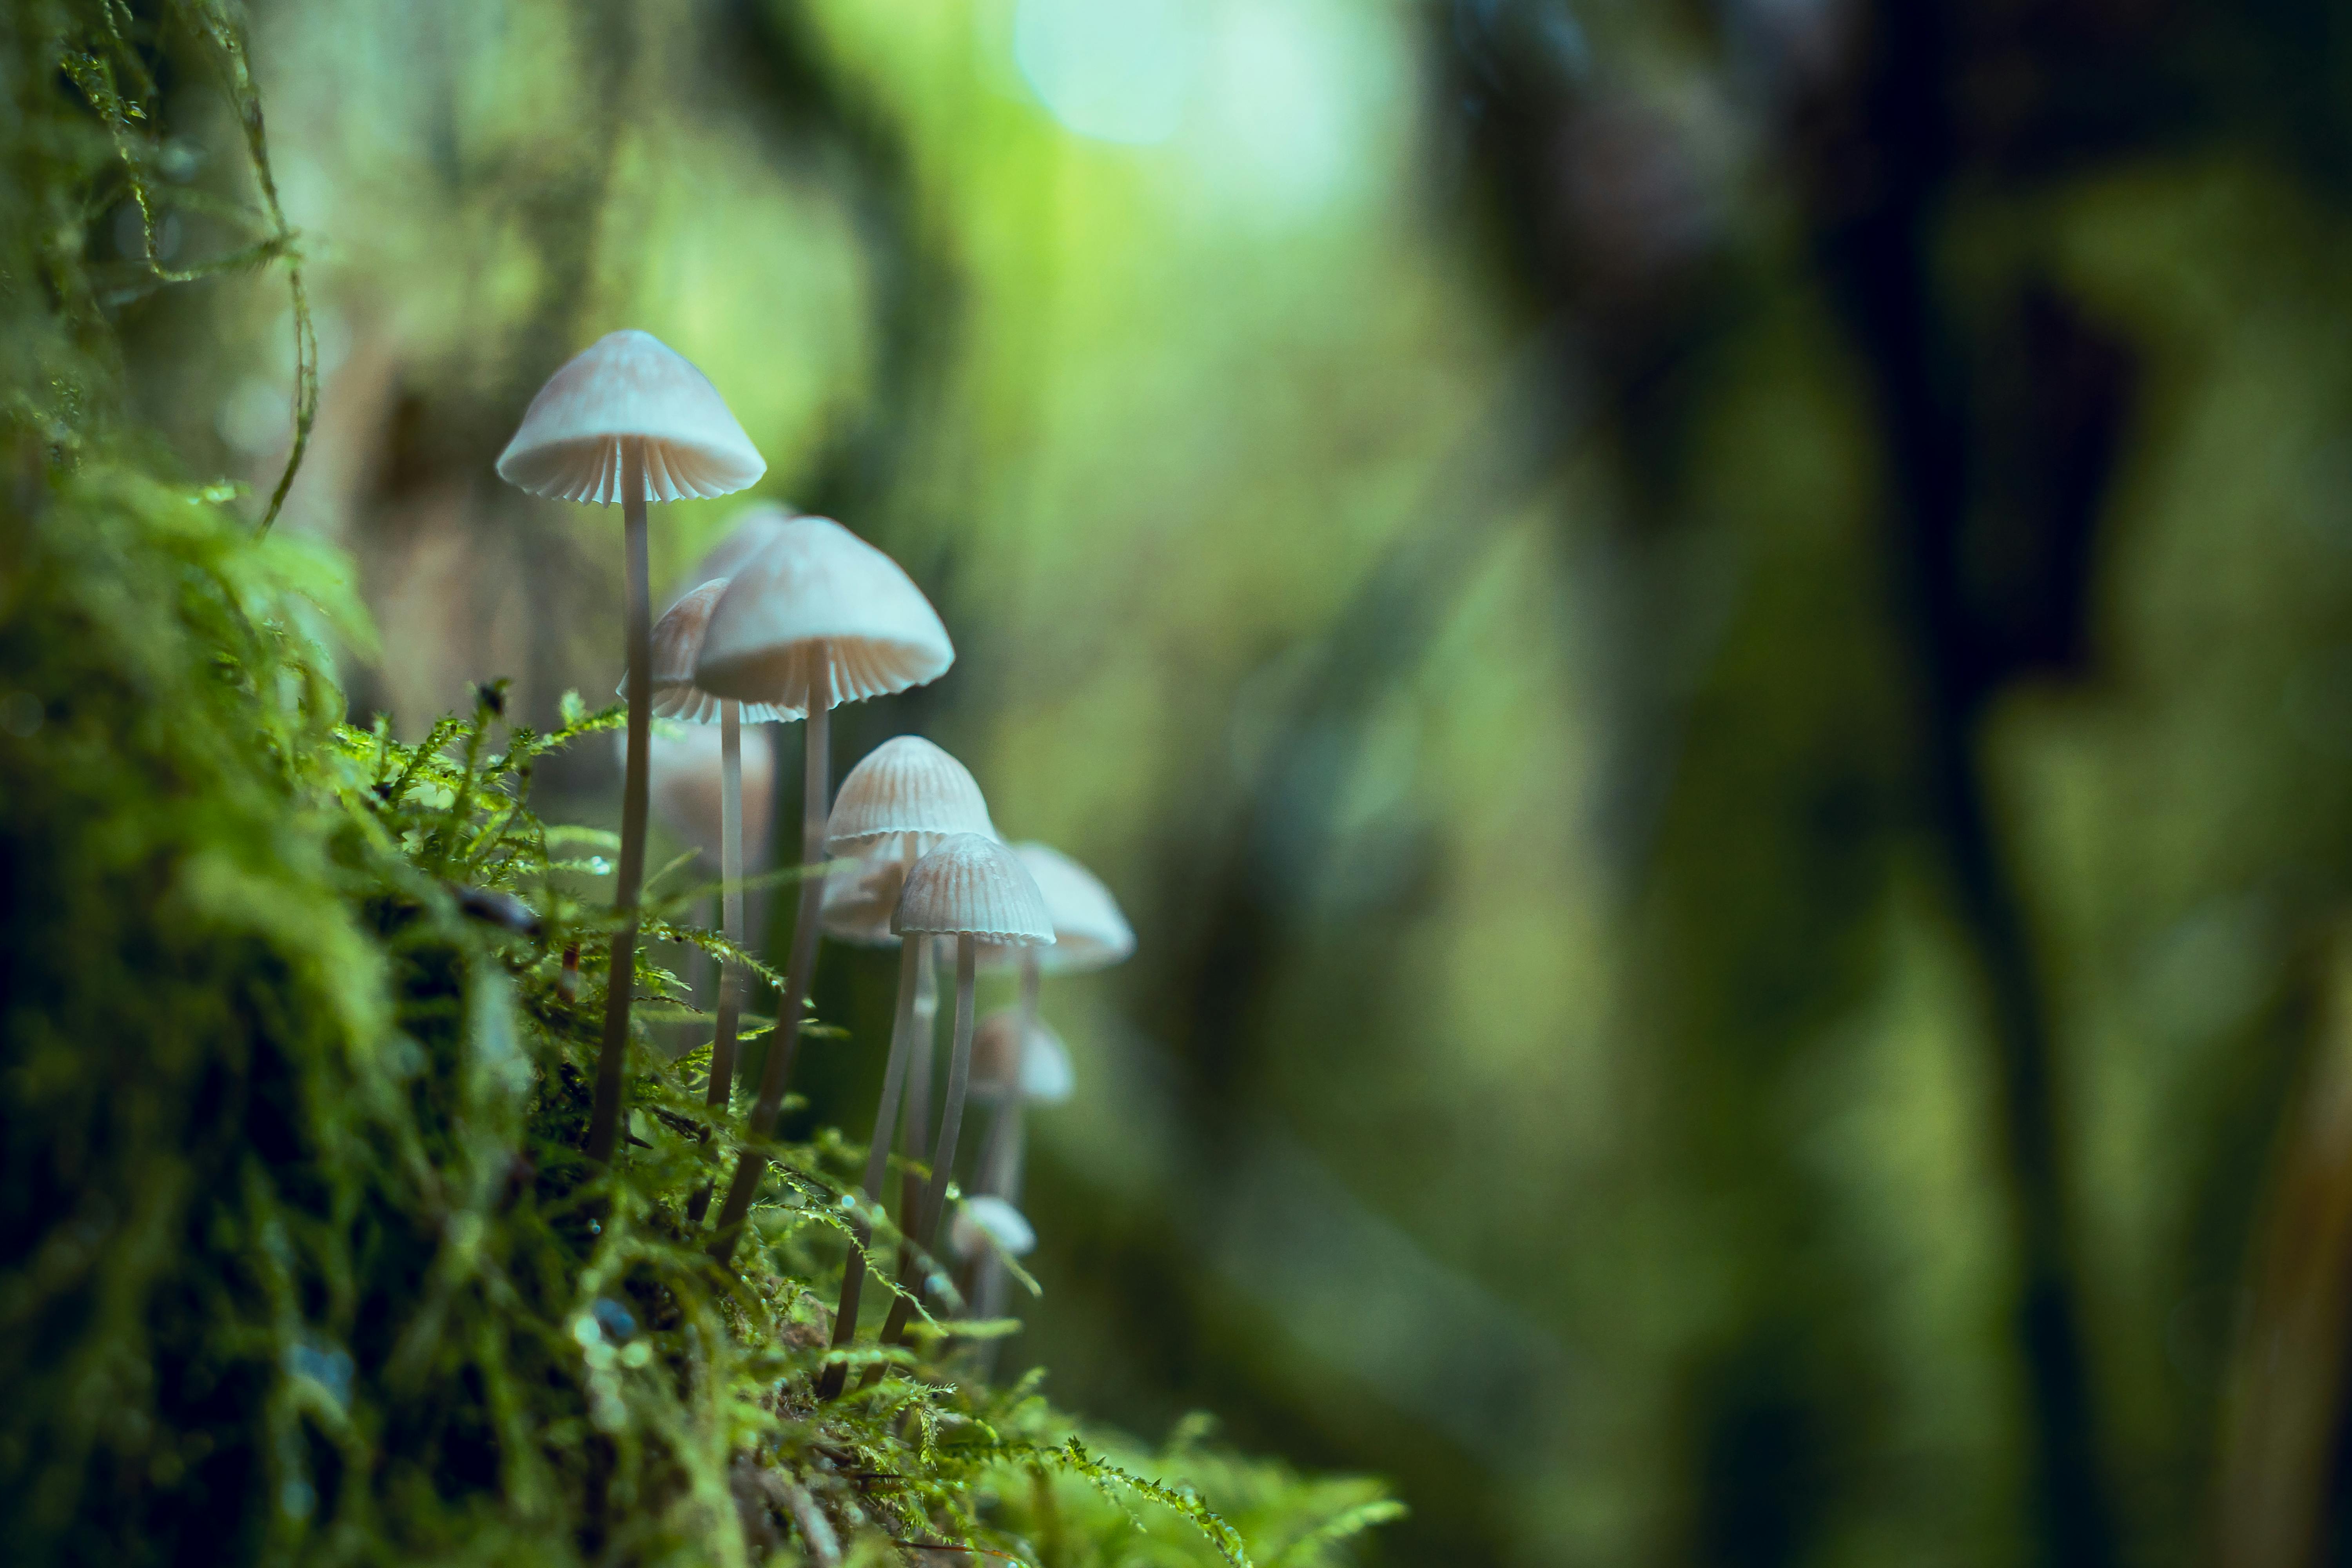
x,y
629,384
676,644
858,902
973,886
985,1219
819,588
903,798
1089,931
1041,1073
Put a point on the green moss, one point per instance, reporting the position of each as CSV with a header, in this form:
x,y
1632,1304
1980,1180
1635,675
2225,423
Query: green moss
x,y
299,1261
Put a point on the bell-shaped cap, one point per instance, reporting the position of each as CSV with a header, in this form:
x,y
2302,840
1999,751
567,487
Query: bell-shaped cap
x,y
629,385
677,643
986,1222
756,526
902,798
819,593
973,886
1000,1062
1089,931
683,785
859,900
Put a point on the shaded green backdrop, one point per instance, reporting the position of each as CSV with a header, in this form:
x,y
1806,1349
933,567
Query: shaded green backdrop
x,y
1706,642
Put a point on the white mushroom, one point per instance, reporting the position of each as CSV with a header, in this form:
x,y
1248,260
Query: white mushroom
x,y
816,617
628,420
976,889
902,800
985,1224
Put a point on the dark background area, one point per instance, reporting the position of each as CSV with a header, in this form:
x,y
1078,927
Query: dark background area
x,y
1706,643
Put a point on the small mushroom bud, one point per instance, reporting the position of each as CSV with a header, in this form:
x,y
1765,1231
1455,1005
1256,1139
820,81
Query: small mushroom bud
x,y
1014,1056
985,1225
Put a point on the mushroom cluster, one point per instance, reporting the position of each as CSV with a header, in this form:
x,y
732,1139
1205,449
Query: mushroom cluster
x,y
791,616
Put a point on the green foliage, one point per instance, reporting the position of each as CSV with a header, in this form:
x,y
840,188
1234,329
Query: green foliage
x,y
71,162
312,1265
1086,1512
299,1260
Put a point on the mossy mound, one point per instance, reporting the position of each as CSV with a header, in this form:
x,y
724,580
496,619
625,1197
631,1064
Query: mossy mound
x,y
299,1260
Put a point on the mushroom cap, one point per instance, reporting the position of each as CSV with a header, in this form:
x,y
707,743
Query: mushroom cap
x,y
629,384
756,526
683,787
902,798
985,1219
677,643
973,886
818,588
858,902
997,1061
1089,931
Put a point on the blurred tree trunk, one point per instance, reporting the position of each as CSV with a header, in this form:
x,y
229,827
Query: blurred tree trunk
x,y
2285,1403
1879,171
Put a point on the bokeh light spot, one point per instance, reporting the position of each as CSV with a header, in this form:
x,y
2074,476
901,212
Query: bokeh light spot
x,y
1117,72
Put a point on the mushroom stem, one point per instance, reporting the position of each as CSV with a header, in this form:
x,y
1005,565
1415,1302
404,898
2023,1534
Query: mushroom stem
x,y
915,1127
732,975
619,977
999,1168
877,1159
935,1193
778,1071
730,924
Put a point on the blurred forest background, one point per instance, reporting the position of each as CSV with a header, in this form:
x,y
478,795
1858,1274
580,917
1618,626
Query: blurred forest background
x,y
1708,642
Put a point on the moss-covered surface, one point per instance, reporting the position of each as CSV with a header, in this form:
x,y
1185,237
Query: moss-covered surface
x,y
299,1261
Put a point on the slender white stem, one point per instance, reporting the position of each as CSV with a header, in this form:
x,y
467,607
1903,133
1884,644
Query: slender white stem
x,y
915,1126
730,899
720,1093
926,1229
730,817
998,1169
620,982
877,1158
935,1196
915,1112
1000,1157
785,1042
